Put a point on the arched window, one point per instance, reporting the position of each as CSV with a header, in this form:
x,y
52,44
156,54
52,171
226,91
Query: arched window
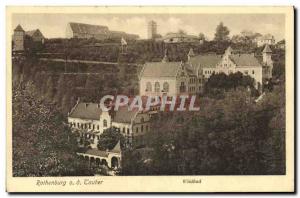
x,y
105,123
156,87
148,86
166,87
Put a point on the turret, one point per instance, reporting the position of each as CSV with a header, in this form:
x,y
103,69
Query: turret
x,y
165,58
267,54
191,54
18,38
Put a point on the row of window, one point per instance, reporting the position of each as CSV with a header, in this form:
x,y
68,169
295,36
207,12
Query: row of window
x,y
137,129
230,71
88,125
157,87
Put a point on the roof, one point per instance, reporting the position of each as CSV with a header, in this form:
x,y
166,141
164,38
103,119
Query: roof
x,y
160,69
123,115
266,37
172,35
117,148
19,28
267,49
32,33
97,152
88,29
245,60
207,60
90,111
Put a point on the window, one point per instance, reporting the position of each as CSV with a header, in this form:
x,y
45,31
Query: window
x,y
128,131
78,125
97,127
123,129
147,128
142,120
246,72
137,129
105,123
142,128
148,86
252,71
166,87
156,87
89,125
93,127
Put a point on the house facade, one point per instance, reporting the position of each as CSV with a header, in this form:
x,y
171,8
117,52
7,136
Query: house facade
x,y
267,39
90,121
168,78
259,68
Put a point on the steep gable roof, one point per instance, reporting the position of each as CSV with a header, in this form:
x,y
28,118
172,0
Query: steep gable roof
x,y
123,115
32,33
117,148
86,111
19,28
267,49
97,152
245,60
160,69
88,29
207,60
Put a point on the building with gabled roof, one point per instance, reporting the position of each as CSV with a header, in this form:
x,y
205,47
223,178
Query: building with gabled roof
x,y
168,78
90,121
100,32
232,62
266,39
35,35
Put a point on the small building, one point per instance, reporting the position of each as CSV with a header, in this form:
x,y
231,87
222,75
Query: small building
x,y
110,158
35,36
267,39
24,40
180,38
90,121
280,44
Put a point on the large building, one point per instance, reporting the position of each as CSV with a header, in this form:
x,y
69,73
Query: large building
x,y
86,31
168,78
178,78
258,67
152,29
267,39
90,121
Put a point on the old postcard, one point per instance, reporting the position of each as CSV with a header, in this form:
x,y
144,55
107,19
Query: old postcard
x,y
150,99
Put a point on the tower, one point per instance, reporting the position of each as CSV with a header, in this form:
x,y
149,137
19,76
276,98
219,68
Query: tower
x,y
165,58
152,29
18,38
267,54
191,54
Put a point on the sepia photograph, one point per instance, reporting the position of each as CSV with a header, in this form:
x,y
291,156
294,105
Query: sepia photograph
x,y
142,95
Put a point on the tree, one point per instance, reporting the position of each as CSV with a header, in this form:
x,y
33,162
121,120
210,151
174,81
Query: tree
x,y
42,144
109,138
222,33
201,36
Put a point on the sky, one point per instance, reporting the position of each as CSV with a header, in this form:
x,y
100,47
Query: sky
x,y
54,25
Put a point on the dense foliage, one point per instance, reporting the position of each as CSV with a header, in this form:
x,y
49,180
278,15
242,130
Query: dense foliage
x,y
42,144
109,138
234,135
